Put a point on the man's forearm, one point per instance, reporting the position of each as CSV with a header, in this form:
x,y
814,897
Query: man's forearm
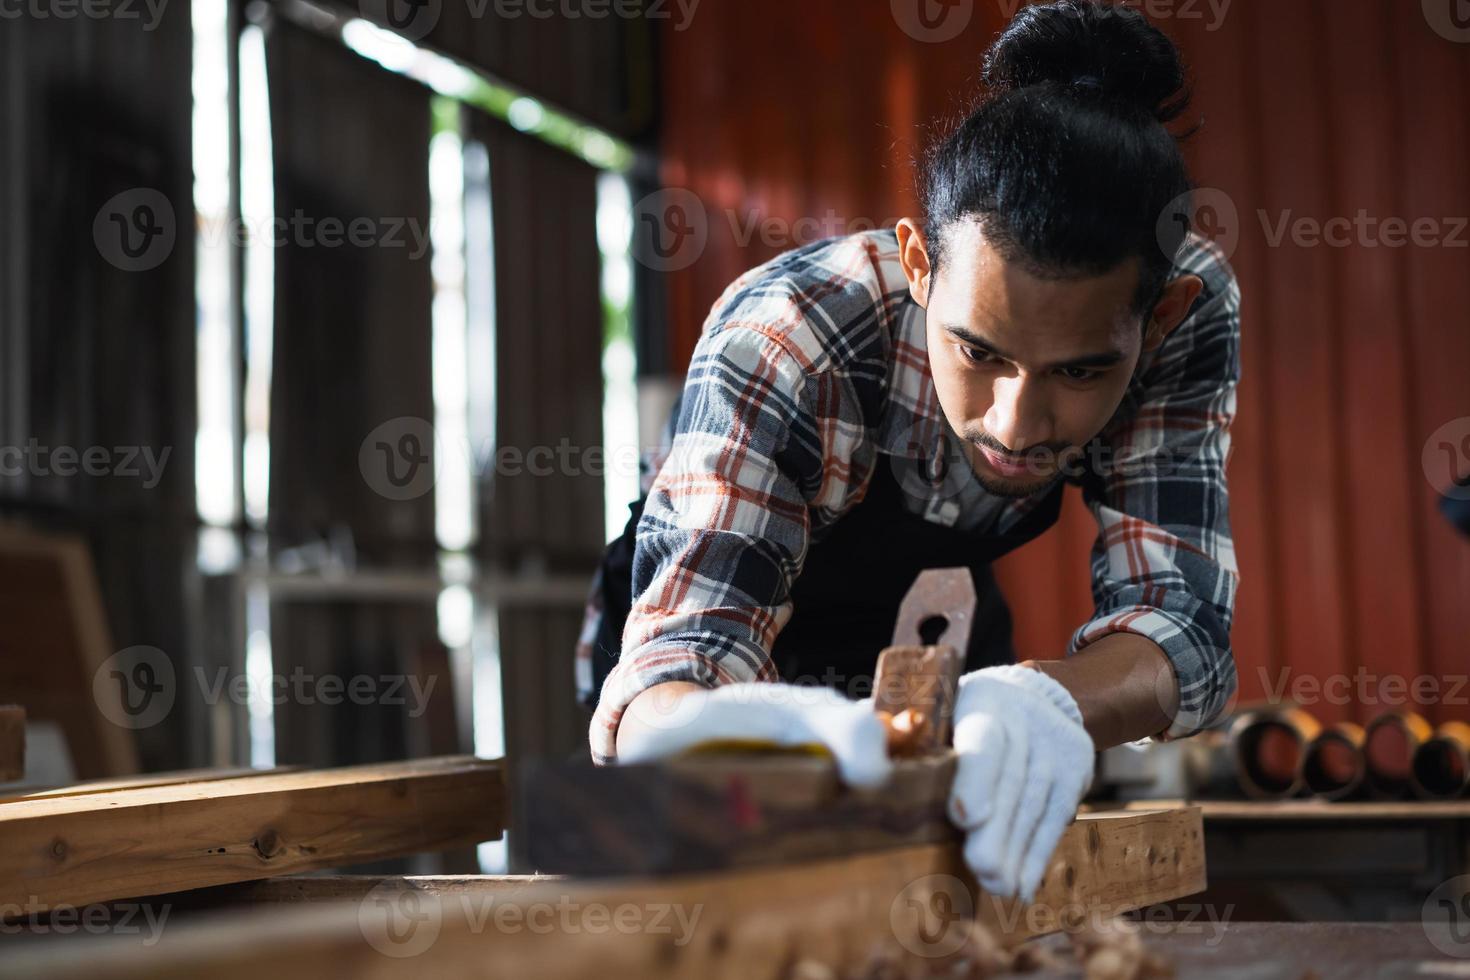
x,y
1123,684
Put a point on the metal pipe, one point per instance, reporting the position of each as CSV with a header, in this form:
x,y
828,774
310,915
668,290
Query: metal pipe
x,y
1332,765
1441,769
1389,745
1268,745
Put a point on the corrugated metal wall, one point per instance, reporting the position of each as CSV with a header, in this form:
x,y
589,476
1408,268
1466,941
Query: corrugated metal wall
x,y
1354,355
96,347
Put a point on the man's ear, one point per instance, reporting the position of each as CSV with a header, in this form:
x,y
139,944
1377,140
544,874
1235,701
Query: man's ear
x,y
913,255
1178,296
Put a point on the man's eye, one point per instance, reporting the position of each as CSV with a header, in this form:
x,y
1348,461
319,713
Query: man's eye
x,y
1078,374
972,355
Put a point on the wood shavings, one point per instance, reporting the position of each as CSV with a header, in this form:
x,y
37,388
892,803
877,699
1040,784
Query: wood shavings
x,y
1109,953
1105,952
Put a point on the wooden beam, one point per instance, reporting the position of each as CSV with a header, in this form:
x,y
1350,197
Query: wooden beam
x,y
754,923
712,812
12,742
96,847
140,782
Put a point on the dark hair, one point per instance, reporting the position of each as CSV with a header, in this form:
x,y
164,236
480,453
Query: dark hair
x,y
1066,162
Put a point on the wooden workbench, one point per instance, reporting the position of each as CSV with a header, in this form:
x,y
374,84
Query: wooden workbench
x,y
1313,860
1293,951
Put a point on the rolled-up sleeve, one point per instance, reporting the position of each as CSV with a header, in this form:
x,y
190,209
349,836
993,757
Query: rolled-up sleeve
x,y
1163,564
725,528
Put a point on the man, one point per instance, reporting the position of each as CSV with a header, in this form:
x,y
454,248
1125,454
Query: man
x,y
866,407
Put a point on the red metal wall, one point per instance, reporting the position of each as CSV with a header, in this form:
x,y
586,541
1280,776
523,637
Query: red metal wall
x,y
1353,355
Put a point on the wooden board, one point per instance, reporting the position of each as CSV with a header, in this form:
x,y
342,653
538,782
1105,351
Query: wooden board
x,y
706,813
752,923
1312,810
99,847
12,742
140,782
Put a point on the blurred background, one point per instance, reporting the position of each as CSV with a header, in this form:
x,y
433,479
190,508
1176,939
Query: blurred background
x,y
331,332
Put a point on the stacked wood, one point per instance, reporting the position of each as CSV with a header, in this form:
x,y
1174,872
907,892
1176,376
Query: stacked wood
x,y
136,839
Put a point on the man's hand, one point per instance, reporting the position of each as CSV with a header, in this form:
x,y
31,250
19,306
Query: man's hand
x,y
1024,762
666,720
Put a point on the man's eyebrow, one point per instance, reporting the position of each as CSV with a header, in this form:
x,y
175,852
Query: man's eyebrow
x,y
1103,359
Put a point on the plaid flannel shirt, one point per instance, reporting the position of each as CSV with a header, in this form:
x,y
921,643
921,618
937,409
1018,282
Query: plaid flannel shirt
x,y
812,370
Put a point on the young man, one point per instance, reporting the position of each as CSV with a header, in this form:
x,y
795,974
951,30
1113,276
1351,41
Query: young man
x,y
867,407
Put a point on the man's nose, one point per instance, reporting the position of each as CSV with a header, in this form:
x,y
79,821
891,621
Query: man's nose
x,y
1020,413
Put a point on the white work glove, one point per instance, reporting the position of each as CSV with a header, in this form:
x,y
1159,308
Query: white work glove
x,y
762,713
1024,763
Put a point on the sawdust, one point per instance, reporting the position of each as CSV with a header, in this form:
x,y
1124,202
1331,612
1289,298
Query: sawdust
x,y
1104,952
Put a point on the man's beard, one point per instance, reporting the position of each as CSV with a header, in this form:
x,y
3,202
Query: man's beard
x,y
1053,453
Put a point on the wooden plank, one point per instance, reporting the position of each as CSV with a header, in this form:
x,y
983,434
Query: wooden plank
x,y
1275,810
711,812
12,742
747,924
317,889
104,846
141,782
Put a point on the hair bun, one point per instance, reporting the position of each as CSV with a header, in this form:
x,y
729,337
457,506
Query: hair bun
x,y
1090,46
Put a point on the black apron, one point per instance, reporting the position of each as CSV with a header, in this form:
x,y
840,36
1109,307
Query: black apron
x,y
845,601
